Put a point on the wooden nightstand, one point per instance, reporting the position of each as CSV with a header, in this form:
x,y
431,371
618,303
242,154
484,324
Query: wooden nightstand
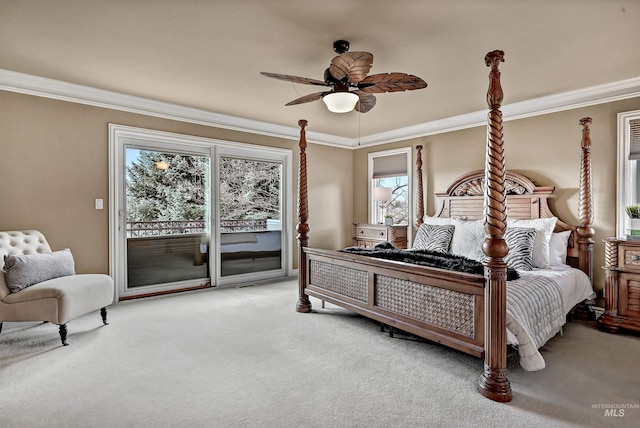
x,y
622,285
368,235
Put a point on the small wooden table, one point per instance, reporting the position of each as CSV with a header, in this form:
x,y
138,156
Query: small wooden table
x,y
622,285
368,235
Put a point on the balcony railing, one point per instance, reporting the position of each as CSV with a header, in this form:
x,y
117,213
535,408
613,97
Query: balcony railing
x,y
137,229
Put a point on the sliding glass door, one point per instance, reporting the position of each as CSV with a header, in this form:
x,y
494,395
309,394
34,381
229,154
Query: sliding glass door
x,y
189,212
250,211
167,218
164,220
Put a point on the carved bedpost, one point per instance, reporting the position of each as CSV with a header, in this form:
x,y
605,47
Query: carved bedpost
x,y
493,383
419,194
303,305
608,320
585,231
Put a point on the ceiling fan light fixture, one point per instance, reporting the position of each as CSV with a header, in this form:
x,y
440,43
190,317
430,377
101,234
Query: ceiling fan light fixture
x,y
341,102
350,70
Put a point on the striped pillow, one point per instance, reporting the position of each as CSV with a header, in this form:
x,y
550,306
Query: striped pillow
x,y
434,237
544,228
521,241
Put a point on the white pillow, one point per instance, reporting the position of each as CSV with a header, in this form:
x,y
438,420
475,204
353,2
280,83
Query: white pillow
x,y
558,248
438,221
468,238
544,229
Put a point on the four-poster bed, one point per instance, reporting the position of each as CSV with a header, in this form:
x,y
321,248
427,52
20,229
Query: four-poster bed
x,y
464,311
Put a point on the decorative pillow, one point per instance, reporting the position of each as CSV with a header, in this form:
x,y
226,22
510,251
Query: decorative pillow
x,y
468,238
433,237
437,220
558,248
22,271
544,229
521,242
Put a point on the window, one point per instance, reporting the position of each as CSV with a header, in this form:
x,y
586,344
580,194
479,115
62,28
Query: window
x,y
628,171
390,170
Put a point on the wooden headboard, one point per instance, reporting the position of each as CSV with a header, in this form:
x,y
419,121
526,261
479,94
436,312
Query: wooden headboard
x,y
525,200
465,199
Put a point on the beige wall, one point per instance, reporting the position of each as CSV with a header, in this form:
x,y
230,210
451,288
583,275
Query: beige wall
x,y
545,148
330,196
54,163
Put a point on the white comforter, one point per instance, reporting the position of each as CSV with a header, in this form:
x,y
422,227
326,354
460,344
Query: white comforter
x,y
537,305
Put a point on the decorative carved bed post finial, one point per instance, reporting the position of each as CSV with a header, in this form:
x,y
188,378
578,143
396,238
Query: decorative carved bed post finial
x,y
419,193
493,382
585,231
304,304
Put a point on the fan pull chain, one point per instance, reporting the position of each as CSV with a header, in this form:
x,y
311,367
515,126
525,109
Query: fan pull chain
x,y
295,89
359,128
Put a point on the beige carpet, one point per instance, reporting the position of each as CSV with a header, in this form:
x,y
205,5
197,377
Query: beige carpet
x,y
242,357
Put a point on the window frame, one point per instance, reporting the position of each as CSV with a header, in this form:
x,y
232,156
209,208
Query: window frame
x,y
410,188
627,188
122,135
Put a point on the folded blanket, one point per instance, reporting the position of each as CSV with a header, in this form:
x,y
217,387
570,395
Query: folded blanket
x,y
426,258
534,315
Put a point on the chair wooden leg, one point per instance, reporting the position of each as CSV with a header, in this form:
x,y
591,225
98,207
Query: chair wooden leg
x,y
1,327
103,314
63,334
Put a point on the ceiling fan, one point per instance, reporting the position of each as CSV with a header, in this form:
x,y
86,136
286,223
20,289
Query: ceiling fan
x,y
350,86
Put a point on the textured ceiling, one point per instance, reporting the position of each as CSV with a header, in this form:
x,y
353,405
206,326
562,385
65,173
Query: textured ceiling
x,y
207,54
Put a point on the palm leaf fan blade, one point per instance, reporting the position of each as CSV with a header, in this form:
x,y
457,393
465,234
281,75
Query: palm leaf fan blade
x,y
308,98
391,82
365,103
294,79
354,66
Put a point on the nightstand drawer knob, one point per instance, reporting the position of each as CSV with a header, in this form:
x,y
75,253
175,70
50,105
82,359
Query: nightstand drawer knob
x,y
381,233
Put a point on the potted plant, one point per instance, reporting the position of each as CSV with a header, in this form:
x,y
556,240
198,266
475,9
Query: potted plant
x,y
388,220
633,211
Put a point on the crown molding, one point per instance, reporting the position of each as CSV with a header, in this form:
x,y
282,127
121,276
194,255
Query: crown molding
x,y
49,88
55,89
610,92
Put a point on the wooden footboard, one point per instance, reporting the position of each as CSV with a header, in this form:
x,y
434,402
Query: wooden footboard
x,y
443,306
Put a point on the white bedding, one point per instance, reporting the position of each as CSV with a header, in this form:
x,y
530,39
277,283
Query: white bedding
x,y
537,305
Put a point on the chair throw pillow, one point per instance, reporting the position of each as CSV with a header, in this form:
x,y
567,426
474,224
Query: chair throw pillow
x,y
433,237
521,242
22,271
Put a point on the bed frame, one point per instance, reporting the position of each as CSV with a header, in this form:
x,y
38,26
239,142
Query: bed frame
x,y
463,311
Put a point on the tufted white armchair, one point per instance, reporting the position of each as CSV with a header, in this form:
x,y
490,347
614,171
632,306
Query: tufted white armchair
x,y
57,300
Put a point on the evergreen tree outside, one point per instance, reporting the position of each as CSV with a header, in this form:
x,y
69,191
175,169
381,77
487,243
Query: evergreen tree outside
x,y
249,189
175,193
